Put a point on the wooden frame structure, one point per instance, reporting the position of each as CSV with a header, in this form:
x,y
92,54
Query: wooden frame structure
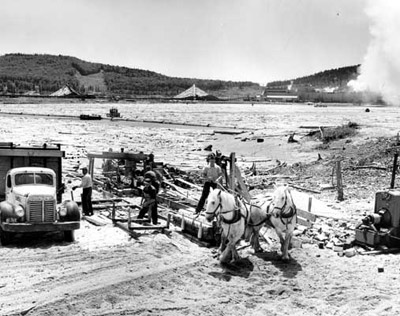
x,y
140,157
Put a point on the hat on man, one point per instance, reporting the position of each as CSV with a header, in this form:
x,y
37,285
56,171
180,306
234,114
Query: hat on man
x,y
211,156
147,180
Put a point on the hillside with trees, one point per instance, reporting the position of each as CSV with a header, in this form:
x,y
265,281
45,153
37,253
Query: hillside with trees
x,y
337,78
45,74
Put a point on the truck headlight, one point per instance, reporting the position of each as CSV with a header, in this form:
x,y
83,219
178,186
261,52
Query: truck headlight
x,y
63,210
19,211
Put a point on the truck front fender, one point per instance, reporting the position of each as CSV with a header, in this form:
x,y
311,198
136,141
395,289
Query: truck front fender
x,y
73,213
7,210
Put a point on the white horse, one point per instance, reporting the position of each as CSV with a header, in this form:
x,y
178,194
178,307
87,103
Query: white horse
x,y
233,217
278,212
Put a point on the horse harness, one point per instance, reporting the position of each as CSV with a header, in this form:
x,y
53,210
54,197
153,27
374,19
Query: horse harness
x,y
237,216
282,215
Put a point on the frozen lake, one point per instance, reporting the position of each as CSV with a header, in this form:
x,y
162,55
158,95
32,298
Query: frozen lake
x,y
273,122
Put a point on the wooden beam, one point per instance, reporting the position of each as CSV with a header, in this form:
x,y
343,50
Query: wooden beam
x,y
339,181
116,155
232,172
171,204
242,186
31,152
189,184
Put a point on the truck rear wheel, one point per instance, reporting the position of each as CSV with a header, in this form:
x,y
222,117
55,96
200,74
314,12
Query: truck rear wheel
x,y
69,236
5,237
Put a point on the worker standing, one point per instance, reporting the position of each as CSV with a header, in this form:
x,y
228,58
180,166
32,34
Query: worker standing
x,y
211,174
222,161
149,202
86,185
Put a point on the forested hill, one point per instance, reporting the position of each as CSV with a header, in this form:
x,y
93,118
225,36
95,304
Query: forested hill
x,y
338,77
21,73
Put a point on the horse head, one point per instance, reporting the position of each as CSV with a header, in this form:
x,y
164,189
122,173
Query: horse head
x,y
283,204
213,204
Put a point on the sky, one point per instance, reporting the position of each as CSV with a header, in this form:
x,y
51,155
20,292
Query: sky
x,y
239,40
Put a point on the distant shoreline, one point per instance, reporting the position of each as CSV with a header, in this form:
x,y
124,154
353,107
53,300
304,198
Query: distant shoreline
x,y
75,100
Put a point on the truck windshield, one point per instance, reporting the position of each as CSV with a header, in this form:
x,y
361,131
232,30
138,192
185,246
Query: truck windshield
x,y
33,178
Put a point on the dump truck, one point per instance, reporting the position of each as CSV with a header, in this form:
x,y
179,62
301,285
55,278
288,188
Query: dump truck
x,y
31,193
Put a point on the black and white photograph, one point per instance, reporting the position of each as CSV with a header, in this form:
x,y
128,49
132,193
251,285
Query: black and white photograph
x,y
186,157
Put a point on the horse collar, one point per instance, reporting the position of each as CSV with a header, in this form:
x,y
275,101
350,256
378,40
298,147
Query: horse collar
x,y
236,217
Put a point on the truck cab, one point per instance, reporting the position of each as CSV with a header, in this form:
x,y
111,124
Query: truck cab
x,y
31,205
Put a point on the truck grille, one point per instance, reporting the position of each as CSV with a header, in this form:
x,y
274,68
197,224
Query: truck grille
x,y
42,211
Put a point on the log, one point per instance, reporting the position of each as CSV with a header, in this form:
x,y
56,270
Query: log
x,y
152,227
228,132
304,189
370,167
192,226
377,252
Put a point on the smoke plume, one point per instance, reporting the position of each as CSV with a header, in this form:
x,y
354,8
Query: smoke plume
x,y
380,69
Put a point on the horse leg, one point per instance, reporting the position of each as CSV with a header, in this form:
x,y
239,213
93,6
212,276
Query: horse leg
x,y
285,242
222,246
226,255
255,240
284,249
230,253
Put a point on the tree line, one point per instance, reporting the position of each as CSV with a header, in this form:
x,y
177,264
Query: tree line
x,y
338,77
20,73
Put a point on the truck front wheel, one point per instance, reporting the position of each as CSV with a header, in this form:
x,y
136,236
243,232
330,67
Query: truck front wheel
x,y
69,236
5,237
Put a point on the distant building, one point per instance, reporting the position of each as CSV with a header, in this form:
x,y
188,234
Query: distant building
x,y
280,94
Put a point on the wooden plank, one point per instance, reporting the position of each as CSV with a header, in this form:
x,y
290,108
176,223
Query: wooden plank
x,y
111,200
153,227
175,187
303,222
189,184
94,219
140,220
306,215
